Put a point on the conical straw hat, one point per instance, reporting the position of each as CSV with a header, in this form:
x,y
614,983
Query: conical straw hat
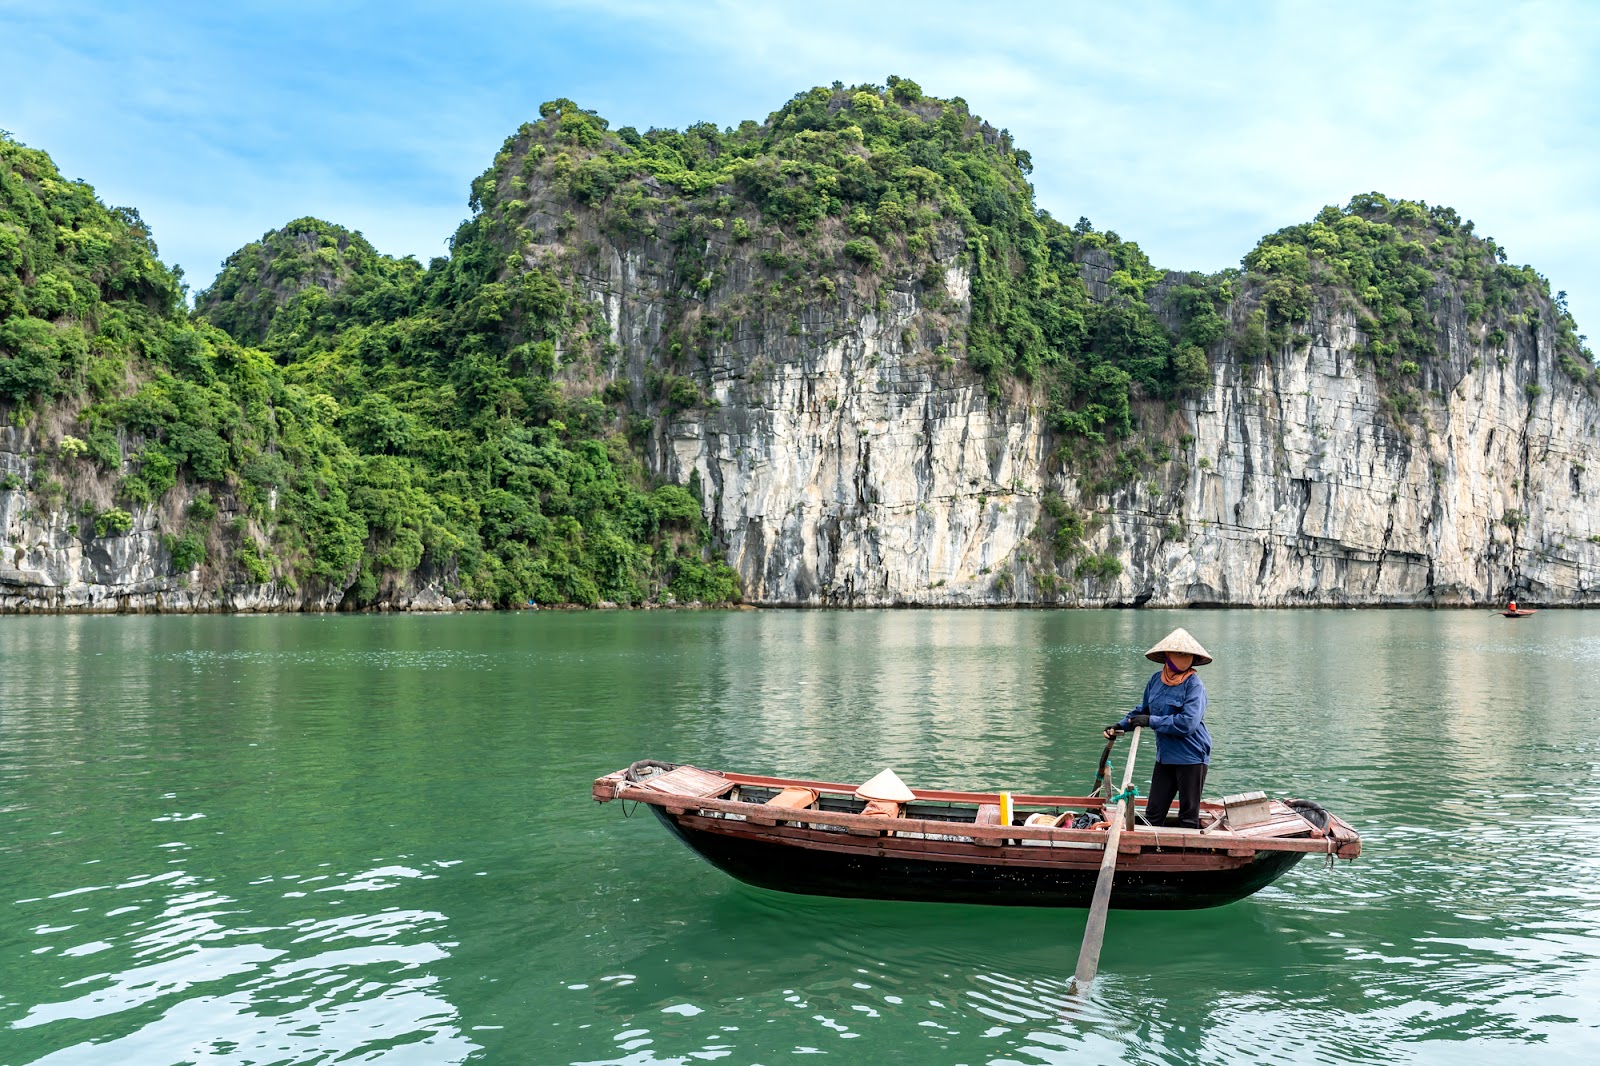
x,y
886,786
1178,642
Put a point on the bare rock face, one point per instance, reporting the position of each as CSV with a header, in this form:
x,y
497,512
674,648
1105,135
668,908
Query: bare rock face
x,y
859,473
846,460
1303,486
845,457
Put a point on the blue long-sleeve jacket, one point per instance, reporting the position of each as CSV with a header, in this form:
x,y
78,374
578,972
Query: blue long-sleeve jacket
x,y
1175,715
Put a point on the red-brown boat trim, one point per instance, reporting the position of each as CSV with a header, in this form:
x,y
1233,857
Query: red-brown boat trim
x,y
956,851
1021,799
1341,840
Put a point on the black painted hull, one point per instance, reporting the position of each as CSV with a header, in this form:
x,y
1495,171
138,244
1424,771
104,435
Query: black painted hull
x,y
864,874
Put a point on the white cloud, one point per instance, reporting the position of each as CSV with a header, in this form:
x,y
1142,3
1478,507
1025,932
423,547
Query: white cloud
x,y
1197,128
1193,128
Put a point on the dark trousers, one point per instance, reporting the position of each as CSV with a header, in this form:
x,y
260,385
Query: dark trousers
x,y
1186,780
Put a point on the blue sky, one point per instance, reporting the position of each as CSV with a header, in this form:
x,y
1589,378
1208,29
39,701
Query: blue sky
x,y
1193,128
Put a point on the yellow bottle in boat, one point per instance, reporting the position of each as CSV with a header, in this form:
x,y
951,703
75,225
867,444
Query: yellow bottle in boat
x,y
1005,808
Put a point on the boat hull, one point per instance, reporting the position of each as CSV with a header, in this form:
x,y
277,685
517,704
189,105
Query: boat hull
x,y
860,869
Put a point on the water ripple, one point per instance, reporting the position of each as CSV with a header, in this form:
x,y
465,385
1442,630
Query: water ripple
x,y
320,840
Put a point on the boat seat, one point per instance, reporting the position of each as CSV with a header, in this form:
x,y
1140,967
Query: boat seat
x,y
1283,821
792,798
879,809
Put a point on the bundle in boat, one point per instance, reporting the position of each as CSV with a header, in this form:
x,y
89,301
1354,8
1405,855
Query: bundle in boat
x,y
886,797
881,840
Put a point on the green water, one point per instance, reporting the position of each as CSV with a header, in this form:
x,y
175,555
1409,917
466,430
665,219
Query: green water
x,y
369,839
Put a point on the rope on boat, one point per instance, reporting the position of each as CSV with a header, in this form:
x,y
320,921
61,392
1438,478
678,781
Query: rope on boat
x,y
634,774
1130,794
1318,816
1314,813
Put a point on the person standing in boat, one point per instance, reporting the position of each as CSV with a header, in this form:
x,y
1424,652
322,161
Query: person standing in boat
x,y
1174,708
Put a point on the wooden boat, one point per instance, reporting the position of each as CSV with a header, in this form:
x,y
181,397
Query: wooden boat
x,y
1518,613
948,847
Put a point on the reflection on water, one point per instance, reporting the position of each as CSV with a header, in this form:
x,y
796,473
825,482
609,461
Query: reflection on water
x,y
296,840
200,981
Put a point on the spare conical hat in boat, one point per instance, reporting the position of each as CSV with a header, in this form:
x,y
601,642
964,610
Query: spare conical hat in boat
x,y
1178,642
886,786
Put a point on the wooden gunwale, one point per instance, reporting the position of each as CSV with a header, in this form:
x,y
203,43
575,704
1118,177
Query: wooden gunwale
x,y
1084,859
1020,799
615,786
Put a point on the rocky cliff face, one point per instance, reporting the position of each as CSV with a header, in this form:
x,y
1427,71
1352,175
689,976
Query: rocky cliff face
x,y
54,561
843,459
889,377
844,462
1304,485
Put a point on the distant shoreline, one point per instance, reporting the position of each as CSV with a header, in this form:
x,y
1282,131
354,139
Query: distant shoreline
x,y
115,611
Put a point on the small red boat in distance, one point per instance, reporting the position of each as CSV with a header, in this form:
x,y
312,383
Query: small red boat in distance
x,y
1513,611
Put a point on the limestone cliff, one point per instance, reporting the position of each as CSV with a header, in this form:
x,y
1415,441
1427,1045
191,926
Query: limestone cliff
x,y
846,335
845,462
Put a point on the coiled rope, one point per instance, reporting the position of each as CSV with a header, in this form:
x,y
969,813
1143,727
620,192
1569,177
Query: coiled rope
x,y
634,774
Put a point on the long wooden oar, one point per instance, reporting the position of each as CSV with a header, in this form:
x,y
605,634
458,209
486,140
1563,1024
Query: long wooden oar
x,y
1094,933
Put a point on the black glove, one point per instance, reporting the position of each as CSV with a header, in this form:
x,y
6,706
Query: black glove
x,y
1139,720
1112,731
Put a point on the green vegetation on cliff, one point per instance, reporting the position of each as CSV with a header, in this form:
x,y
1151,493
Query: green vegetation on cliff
x,y
364,423
81,289
309,279
1398,263
470,452
89,317
381,436
872,186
